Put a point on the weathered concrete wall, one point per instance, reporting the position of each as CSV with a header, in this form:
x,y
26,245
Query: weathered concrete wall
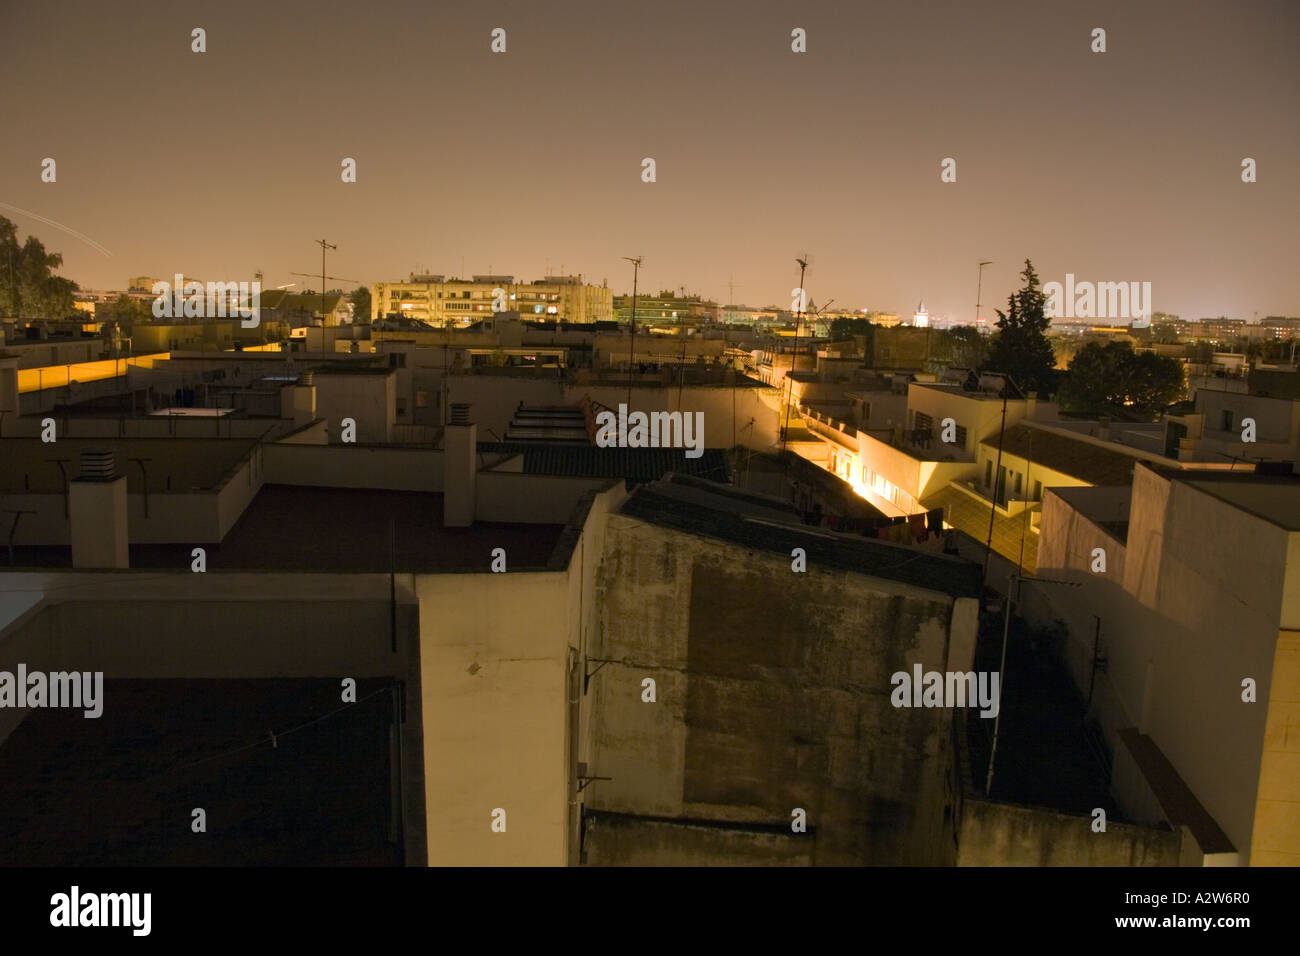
x,y
617,840
772,693
1003,834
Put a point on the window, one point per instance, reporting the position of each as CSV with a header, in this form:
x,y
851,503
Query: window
x,y
1038,491
1019,479
961,436
1227,419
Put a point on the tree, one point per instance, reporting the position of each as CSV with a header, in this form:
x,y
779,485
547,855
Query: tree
x,y
845,328
28,287
360,304
1021,347
126,311
1115,381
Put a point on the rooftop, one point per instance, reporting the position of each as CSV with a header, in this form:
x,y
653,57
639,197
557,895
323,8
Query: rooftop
x,y
1274,498
1078,459
175,464
344,530
706,508
592,461
951,388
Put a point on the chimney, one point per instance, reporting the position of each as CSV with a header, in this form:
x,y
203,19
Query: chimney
x,y
302,401
97,512
460,468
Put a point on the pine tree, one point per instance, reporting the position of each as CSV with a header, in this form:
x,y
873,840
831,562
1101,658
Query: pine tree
x,y
1021,348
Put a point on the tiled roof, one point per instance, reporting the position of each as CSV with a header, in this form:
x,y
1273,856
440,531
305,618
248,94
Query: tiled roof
x,y
1079,459
592,461
717,511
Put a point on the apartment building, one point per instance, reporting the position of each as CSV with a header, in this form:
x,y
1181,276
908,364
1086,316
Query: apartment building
x,y
440,301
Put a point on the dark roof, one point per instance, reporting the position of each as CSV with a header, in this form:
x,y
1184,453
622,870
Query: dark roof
x,y
1079,459
768,524
345,530
591,461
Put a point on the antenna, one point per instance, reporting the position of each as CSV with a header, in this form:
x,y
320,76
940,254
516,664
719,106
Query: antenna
x,y
802,262
978,286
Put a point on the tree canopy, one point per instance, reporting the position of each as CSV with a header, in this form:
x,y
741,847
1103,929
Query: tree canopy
x,y
29,289
1115,381
1020,347
360,299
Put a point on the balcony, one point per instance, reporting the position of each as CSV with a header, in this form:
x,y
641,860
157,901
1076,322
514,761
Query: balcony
x,y
832,429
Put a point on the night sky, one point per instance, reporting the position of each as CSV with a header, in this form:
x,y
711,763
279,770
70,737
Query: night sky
x,y
1122,166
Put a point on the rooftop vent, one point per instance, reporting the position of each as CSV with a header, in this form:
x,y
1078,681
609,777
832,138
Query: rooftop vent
x,y
460,413
306,378
97,464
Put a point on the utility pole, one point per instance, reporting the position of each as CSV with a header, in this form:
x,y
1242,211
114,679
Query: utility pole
x,y
803,296
979,286
323,246
997,478
636,271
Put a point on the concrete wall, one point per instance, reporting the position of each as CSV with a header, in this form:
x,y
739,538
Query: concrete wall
x,y
370,400
530,499
354,466
495,669
1003,834
1195,571
618,840
772,693
1276,837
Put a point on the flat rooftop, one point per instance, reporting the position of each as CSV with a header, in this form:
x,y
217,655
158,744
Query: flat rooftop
x,y
1274,498
176,464
106,792
342,531
591,461
962,392
705,508
290,528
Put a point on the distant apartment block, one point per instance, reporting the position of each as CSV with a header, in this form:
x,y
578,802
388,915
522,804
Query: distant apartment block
x,y
440,301
665,308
